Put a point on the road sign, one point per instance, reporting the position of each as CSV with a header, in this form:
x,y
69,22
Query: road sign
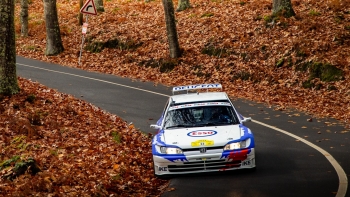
x,y
89,8
84,29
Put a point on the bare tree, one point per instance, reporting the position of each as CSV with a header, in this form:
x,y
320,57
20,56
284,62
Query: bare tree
x,y
173,41
183,5
8,76
99,5
54,44
283,7
24,17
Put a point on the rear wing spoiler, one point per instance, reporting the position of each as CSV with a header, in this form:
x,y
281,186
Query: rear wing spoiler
x,y
196,87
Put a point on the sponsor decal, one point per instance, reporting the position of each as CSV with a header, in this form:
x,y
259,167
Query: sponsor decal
x,y
162,168
201,133
198,86
202,143
246,163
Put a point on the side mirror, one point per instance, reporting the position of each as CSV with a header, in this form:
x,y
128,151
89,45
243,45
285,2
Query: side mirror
x,y
154,126
247,119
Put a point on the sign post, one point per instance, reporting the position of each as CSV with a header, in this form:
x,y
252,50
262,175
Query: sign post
x,y
89,9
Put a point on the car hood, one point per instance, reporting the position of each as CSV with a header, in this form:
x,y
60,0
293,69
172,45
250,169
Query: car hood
x,y
200,136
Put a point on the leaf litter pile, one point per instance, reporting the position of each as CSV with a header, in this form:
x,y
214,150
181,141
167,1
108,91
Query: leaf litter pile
x,y
300,62
55,145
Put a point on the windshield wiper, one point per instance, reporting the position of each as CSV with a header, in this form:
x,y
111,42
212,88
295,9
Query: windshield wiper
x,y
179,125
206,124
214,124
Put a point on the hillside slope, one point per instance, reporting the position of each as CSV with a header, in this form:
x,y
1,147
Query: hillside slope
x,y
279,62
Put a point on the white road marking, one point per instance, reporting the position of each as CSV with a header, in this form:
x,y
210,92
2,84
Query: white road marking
x,y
343,181
118,84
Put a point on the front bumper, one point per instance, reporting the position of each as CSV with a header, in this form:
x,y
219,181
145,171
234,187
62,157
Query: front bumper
x,y
211,162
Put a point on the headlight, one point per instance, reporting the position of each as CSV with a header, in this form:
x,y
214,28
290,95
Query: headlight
x,y
170,150
238,145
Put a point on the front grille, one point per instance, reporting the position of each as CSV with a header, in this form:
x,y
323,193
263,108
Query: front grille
x,y
204,165
208,148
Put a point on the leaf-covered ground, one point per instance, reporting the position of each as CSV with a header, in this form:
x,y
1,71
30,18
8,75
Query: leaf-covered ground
x,y
272,61
300,62
79,150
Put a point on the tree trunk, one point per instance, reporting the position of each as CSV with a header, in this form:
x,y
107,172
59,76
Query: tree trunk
x,y
99,5
171,29
183,5
81,3
24,18
8,76
54,44
283,7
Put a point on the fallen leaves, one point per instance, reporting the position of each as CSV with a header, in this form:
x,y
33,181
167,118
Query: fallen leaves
x,y
88,141
254,49
83,153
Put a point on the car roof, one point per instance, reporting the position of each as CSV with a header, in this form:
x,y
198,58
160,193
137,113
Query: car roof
x,y
199,97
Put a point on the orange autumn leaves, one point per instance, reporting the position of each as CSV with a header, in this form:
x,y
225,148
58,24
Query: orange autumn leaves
x,y
80,149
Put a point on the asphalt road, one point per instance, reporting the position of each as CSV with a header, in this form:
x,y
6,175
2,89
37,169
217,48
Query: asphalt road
x,y
295,157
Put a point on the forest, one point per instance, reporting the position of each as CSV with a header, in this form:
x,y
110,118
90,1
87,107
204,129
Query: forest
x,y
48,139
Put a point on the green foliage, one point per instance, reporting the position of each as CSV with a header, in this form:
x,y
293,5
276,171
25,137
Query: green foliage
x,y
207,14
314,13
18,139
30,48
192,15
20,167
268,18
324,71
31,98
116,9
280,63
114,43
347,27
8,162
309,84
242,3
116,136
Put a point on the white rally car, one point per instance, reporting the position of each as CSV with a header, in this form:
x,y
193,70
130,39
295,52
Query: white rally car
x,y
201,132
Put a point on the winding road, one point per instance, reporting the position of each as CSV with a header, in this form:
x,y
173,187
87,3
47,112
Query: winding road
x,y
295,157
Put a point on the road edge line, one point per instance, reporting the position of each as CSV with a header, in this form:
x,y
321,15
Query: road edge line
x,y
343,181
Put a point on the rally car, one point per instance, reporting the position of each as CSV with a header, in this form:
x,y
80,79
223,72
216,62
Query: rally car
x,y
201,132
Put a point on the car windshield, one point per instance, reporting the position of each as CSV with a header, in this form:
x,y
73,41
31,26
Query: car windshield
x,y
200,115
